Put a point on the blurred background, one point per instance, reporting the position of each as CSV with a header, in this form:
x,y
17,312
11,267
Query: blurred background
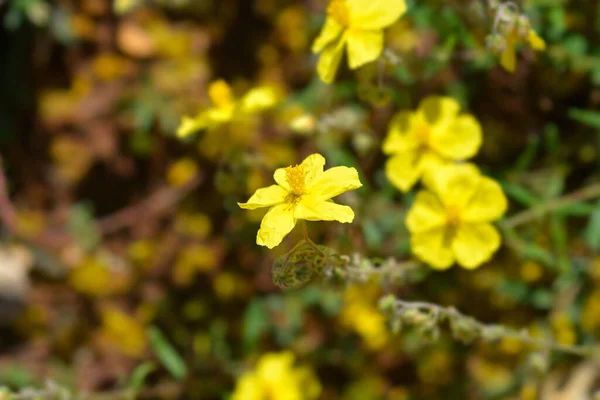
x,y
127,270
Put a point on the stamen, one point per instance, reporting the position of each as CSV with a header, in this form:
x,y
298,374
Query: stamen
x,y
453,218
296,178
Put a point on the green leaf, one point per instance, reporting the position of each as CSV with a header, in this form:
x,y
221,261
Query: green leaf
x,y
82,226
255,324
520,194
586,117
140,373
591,234
166,353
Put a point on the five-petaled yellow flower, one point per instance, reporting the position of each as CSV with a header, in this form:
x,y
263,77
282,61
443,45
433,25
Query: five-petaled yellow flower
x,y
433,136
302,192
226,107
276,378
508,59
357,24
451,220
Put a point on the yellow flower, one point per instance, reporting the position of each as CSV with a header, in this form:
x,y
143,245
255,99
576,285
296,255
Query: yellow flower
x,y
430,137
451,220
302,192
508,59
276,378
357,24
226,107
123,331
182,172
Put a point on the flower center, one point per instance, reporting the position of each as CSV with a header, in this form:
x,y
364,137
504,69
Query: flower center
x,y
453,216
423,134
338,10
296,178
220,94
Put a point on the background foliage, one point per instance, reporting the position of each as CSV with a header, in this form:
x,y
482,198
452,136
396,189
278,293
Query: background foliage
x,y
128,271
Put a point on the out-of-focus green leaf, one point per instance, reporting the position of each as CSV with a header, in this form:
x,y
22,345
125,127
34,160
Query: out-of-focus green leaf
x,y
140,373
586,117
591,234
81,225
520,194
255,324
166,353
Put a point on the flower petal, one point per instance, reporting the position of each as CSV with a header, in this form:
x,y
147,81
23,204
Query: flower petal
x,y
426,213
454,184
189,125
364,46
330,58
334,182
402,170
312,209
265,197
508,59
439,110
258,99
460,140
281,178
375,14
535,41
330,32
474,244
487,204
313,165
276,224
400,137
433,247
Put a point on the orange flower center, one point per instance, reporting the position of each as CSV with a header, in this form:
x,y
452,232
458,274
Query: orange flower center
x,y
338,10
296,178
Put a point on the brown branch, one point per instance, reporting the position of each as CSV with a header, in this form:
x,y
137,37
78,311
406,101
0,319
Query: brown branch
x,y
160,202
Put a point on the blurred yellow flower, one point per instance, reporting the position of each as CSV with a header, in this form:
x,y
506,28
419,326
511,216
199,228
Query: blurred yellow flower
x,y
182,172
194,258
508,59
302,192
276,378
361,314
226,107
123,331
432,136
357,25
451,220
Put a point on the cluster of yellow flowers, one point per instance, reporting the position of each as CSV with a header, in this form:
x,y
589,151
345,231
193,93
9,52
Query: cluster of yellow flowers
x,y
276,378
450,219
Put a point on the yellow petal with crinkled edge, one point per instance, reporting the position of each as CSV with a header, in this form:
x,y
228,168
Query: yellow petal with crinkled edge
x,y
439,111
265,197
432,247
454,184
275,225
259,99
364,46
312,209
401,136
402,170
330,59
333,182
460,140
474,244
487,204
375,14
330,32
313,166
535,41
190,126
426,213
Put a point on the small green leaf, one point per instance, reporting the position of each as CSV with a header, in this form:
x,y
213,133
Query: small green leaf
x,y
591,234
586,117
166,353
255,324
520,194
140,373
